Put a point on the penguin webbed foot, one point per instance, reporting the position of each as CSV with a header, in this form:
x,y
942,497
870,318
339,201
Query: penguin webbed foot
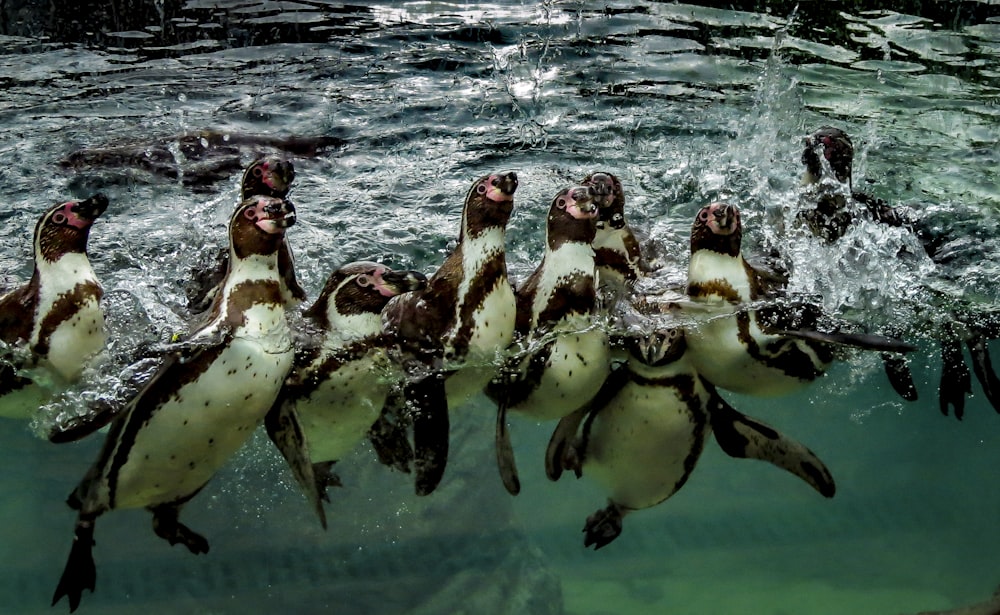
x,y
167,526
388,435
80,572
325,478
603,526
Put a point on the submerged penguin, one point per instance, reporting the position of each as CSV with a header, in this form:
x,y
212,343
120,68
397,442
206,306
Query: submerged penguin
x,y
563,353
342,376
767,350
54,323
645,430
829,151
451,333
616,249
272,177
201,406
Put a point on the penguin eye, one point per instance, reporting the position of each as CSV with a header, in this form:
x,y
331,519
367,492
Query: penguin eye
x,y
703,215
561,203
59,217
481,188
250,213
258,172
363,281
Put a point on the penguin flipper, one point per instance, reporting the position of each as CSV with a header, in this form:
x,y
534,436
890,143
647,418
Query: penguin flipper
x,y
505,453
743,437
283,427
864,341
388,433
559,443
429,415
900,377
956,382
560,451
982,366
80,572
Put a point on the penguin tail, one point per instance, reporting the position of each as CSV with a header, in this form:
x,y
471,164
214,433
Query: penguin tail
x,y
80,572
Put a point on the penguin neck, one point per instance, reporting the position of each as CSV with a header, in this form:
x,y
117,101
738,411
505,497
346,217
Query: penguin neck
x,y
55,278
570,271
717,277
347,328
252,301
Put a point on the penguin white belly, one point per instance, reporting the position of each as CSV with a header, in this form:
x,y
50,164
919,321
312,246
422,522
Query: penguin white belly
x,y
77,340
719,353
338,414
492,333
642,446
188,438
577,366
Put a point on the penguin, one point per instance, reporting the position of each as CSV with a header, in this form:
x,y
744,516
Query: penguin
x,y
202,405
768,350
342,374
616,249
643,434
830,152
197,159
270,176
53,325
562,354
450,333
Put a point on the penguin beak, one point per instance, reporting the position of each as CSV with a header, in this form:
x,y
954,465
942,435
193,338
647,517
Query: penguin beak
x,y
272,215
725,219
507,182
91,208
581,203
404,281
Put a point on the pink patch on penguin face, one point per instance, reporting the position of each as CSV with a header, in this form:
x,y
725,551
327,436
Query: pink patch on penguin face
x,y
68,217
720,218
490,188
578,203
374,279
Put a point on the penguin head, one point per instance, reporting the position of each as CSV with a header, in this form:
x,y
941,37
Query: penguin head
x,y
488,203
258,225
572,216
717,227
610,198
833,146
657,348
65,227
270,176
362,287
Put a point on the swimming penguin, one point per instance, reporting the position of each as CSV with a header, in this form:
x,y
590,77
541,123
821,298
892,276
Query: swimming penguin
x,y
54,323
563,352
197,159
616,249
830,151
767,350
341,377
273,177
451,332
201,406
645,430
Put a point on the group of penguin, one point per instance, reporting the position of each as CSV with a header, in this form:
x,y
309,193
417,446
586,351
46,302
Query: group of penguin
x,y
388,355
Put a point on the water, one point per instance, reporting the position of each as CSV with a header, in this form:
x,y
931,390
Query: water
x,y
686,105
